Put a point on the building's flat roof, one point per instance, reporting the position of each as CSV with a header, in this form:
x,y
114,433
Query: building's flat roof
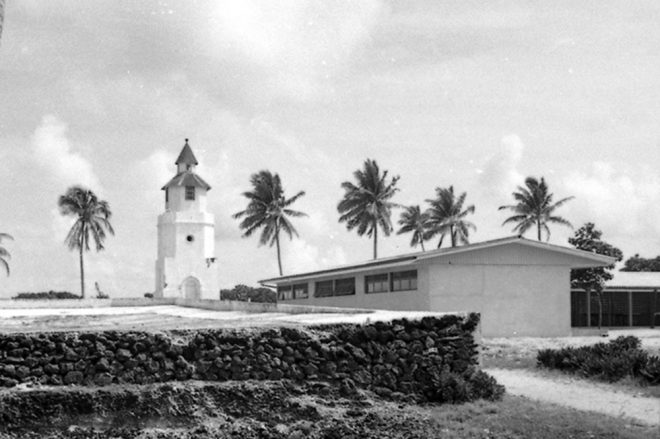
x,y
410,258
634,279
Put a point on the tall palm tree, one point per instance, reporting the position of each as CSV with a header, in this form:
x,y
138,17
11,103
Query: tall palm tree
x,y
4,254
268,208
534,208
447,216
92,220
366,204
415,221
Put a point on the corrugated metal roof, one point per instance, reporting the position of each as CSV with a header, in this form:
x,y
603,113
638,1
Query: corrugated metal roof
x,y
634,279
187,178
186,156
397,260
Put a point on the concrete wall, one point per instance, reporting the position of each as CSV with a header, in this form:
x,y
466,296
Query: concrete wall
x,y
519,290
514,300
410,300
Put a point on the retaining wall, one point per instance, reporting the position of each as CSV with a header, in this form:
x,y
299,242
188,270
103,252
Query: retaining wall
x,y
397,356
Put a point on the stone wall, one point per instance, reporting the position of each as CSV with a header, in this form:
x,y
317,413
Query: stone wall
x,y
397,356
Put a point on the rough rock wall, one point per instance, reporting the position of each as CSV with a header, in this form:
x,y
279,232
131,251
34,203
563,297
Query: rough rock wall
x,y
398,356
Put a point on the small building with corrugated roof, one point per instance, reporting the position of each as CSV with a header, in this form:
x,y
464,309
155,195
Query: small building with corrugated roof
x,y
521,287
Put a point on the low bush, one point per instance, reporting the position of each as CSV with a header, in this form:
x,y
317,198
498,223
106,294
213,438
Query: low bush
x,y
618,359
249,294
47,295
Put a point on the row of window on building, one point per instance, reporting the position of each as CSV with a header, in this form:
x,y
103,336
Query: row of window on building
x,y
376,283
619,308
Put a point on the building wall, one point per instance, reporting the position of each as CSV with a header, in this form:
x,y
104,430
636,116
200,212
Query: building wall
x,y
180,258
411,300
513,300
519,291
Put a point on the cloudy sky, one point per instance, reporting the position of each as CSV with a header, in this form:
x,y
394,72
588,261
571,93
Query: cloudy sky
x,y
472,94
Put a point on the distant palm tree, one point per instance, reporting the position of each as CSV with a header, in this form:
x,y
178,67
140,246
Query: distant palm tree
x,y
4,254
447,216
268,208
534,208
92,220
366,205
415,221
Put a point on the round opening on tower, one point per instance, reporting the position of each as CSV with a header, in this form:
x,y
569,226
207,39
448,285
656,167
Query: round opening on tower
x,y
190,238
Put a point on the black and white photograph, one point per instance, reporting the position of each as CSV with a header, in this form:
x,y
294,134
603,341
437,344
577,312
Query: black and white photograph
x,y
329,219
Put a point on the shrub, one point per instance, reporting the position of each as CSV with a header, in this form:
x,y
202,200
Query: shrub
x,y
47,295
149,295
447,386
611,361
249,294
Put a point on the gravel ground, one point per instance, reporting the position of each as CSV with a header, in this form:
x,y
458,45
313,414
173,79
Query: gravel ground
x,y
154,318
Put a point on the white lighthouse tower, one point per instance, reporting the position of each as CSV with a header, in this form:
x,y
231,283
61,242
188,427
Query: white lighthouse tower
x,y
185,266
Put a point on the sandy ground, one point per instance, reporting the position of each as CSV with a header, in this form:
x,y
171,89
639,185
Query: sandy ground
x,y
173,317
579,394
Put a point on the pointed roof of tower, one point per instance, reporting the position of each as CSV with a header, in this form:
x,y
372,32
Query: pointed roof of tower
x,y
186,156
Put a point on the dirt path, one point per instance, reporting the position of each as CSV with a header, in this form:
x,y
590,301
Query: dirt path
x,y
579,394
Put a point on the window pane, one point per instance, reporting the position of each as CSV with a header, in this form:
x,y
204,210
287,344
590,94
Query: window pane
x,y
300,291
376,283
284,292
404,280
323,288
345,286
190,192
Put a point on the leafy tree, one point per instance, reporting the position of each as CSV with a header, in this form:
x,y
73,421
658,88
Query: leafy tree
x,y
249,294
4,254
268,209
415,221
588,238
447,216
637,263
535,208
366,204
92,221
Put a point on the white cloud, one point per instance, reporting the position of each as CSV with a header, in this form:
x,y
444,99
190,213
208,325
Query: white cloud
x,y
296,45
500,174
53,152
623,202
301,256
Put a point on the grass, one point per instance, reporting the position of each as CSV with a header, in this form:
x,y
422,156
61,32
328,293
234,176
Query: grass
x,y
517,417
507,354
276,410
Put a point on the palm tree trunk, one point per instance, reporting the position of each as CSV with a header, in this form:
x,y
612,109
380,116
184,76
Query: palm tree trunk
x,y
538,228
421,241
453,237
82,274
375,240
279,257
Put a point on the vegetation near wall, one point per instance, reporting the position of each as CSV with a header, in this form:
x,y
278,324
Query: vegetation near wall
x,y
434,358
248,294
47,295
618,359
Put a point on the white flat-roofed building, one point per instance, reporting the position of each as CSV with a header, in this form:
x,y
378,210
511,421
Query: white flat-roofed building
x,y
519,286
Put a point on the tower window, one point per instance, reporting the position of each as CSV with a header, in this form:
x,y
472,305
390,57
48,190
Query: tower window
x,y
190,192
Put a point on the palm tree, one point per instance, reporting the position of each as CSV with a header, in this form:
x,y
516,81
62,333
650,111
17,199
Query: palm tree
x,y
4,254
534,208
268,208
415,221
447,216
366,205
92,220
